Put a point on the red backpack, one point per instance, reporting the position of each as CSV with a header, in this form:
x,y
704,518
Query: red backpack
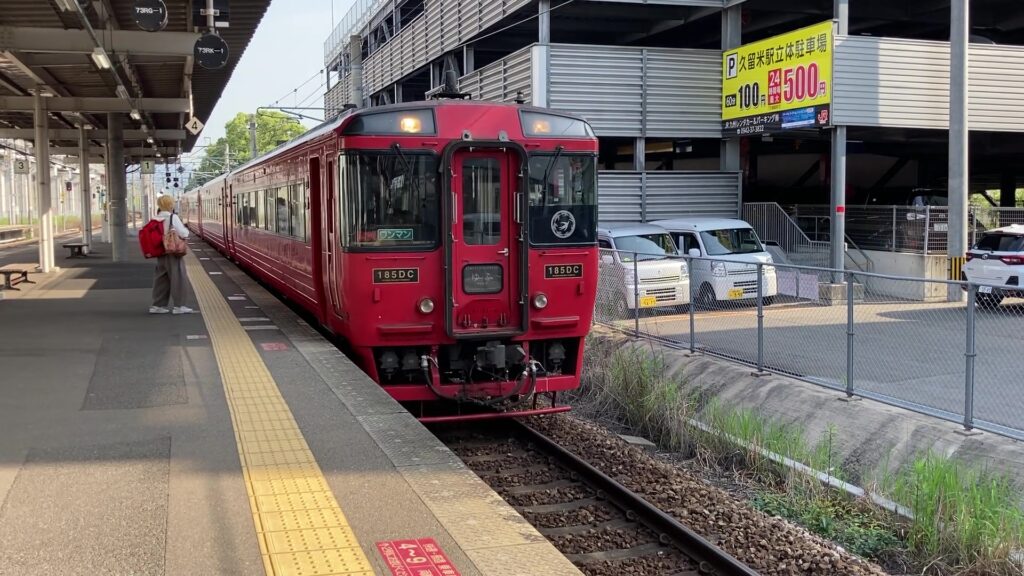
x,y
151,239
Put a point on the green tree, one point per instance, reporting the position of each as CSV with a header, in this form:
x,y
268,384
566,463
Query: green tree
x,y
233,149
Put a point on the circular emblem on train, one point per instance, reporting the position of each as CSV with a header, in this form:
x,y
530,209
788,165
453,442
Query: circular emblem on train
x,y
563,224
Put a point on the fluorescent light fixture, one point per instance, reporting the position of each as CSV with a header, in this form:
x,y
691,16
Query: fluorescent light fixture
x,y
157,154
149,140
122,92
135,115
145,129
67,5
99,56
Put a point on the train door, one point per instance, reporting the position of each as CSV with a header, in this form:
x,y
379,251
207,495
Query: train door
x,y
331,226
229,219
486,264
316,216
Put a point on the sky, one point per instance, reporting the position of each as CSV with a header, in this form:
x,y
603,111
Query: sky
x,y
287,50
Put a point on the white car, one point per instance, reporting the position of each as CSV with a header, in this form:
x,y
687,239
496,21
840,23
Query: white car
x,y
996,264
733,252
663,277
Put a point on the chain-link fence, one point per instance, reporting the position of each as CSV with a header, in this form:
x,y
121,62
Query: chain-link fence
x,y
947,349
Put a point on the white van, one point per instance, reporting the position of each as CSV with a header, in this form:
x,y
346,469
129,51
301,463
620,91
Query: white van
x,y
663,279
735,249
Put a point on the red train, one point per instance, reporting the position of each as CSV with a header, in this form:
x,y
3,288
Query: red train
x,y
450,244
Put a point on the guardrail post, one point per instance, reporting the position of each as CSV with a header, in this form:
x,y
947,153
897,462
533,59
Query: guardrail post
x,y
693,302
849,334
970,354
760,317
636,298
928,227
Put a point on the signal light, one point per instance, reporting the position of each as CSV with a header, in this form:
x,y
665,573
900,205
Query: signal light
x,y
540,301
426,306
542,127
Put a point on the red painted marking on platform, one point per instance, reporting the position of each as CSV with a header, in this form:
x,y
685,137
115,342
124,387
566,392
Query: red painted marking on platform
x,y
420,557
274,346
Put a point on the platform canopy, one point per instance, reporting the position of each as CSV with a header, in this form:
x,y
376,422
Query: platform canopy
x,y
91,58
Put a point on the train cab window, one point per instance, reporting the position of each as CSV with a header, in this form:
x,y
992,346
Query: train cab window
x,y
389,200
481,201
563,199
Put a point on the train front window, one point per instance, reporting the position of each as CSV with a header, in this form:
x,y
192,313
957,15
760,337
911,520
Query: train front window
x,y
389,200
563,199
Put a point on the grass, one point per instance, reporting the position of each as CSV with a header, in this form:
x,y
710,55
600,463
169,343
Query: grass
x,y
965,520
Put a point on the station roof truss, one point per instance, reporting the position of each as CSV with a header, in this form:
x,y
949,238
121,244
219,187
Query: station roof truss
x,y
46,46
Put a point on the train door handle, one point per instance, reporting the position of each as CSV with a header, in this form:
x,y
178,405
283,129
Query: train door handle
x,y
503,252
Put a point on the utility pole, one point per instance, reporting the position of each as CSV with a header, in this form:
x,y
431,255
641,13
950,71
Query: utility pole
x,y
253,149
959,169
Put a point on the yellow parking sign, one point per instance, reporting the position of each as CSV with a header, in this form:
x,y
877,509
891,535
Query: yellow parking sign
x,y
779,83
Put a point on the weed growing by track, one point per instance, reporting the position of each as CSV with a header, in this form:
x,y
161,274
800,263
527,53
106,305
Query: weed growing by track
x,y
965,521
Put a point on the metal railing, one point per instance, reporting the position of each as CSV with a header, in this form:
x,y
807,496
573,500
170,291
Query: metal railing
x,y
906,229
898,340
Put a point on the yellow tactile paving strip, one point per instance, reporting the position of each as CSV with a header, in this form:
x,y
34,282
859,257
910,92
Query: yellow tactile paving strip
x,y
300,527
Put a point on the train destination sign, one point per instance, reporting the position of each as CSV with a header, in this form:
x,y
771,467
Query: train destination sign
x,y
779,83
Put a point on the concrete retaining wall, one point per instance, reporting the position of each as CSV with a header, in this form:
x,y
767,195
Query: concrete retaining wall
x,y
899,264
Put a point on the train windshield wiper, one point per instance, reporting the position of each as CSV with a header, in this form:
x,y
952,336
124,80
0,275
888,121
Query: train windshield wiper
x,y
551,165
408,169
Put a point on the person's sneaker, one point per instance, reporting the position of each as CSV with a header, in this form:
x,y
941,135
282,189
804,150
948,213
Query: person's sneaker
x,y
158,310
182,310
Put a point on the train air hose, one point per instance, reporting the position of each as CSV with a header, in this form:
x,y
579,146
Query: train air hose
x,y
528,376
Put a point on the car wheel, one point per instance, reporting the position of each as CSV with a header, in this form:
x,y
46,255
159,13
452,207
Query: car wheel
x,y
706,298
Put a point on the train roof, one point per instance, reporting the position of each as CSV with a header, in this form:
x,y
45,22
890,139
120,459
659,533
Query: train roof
x,y
336,123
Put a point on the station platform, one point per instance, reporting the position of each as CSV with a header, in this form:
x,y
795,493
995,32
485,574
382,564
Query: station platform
x,y
235,440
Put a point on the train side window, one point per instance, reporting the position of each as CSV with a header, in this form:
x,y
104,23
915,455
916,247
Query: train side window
x,y
281,200
261,209
296,212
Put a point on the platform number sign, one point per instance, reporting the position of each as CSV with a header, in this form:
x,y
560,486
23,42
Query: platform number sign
x,y
150,15
147,167
194,126
21,166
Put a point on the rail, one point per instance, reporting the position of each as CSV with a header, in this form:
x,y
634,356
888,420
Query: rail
x,y
711,558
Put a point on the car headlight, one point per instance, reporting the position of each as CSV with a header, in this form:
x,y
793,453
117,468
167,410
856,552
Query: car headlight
x,y
683,271
628,275
718,269
769,259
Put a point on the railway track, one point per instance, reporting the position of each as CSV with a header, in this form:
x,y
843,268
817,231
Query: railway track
x,y
601,526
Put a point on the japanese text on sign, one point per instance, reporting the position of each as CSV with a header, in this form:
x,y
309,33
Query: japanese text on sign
x,y
420,557
780,82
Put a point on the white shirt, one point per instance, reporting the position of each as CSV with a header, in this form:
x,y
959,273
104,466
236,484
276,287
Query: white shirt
x,y
179,226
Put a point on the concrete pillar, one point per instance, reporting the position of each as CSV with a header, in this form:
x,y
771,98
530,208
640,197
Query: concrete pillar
x,y
544,22
959,174
83,185
117,187
355,55
1008,190
837,250
44,194
732,33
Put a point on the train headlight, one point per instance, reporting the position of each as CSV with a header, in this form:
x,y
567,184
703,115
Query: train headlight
x,y
540,301
410,124
426,306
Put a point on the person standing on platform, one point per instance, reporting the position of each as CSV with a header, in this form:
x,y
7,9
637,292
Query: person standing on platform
x,y
169,282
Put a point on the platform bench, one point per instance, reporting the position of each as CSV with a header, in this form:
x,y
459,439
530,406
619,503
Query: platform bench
x,y
9,272
76,249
